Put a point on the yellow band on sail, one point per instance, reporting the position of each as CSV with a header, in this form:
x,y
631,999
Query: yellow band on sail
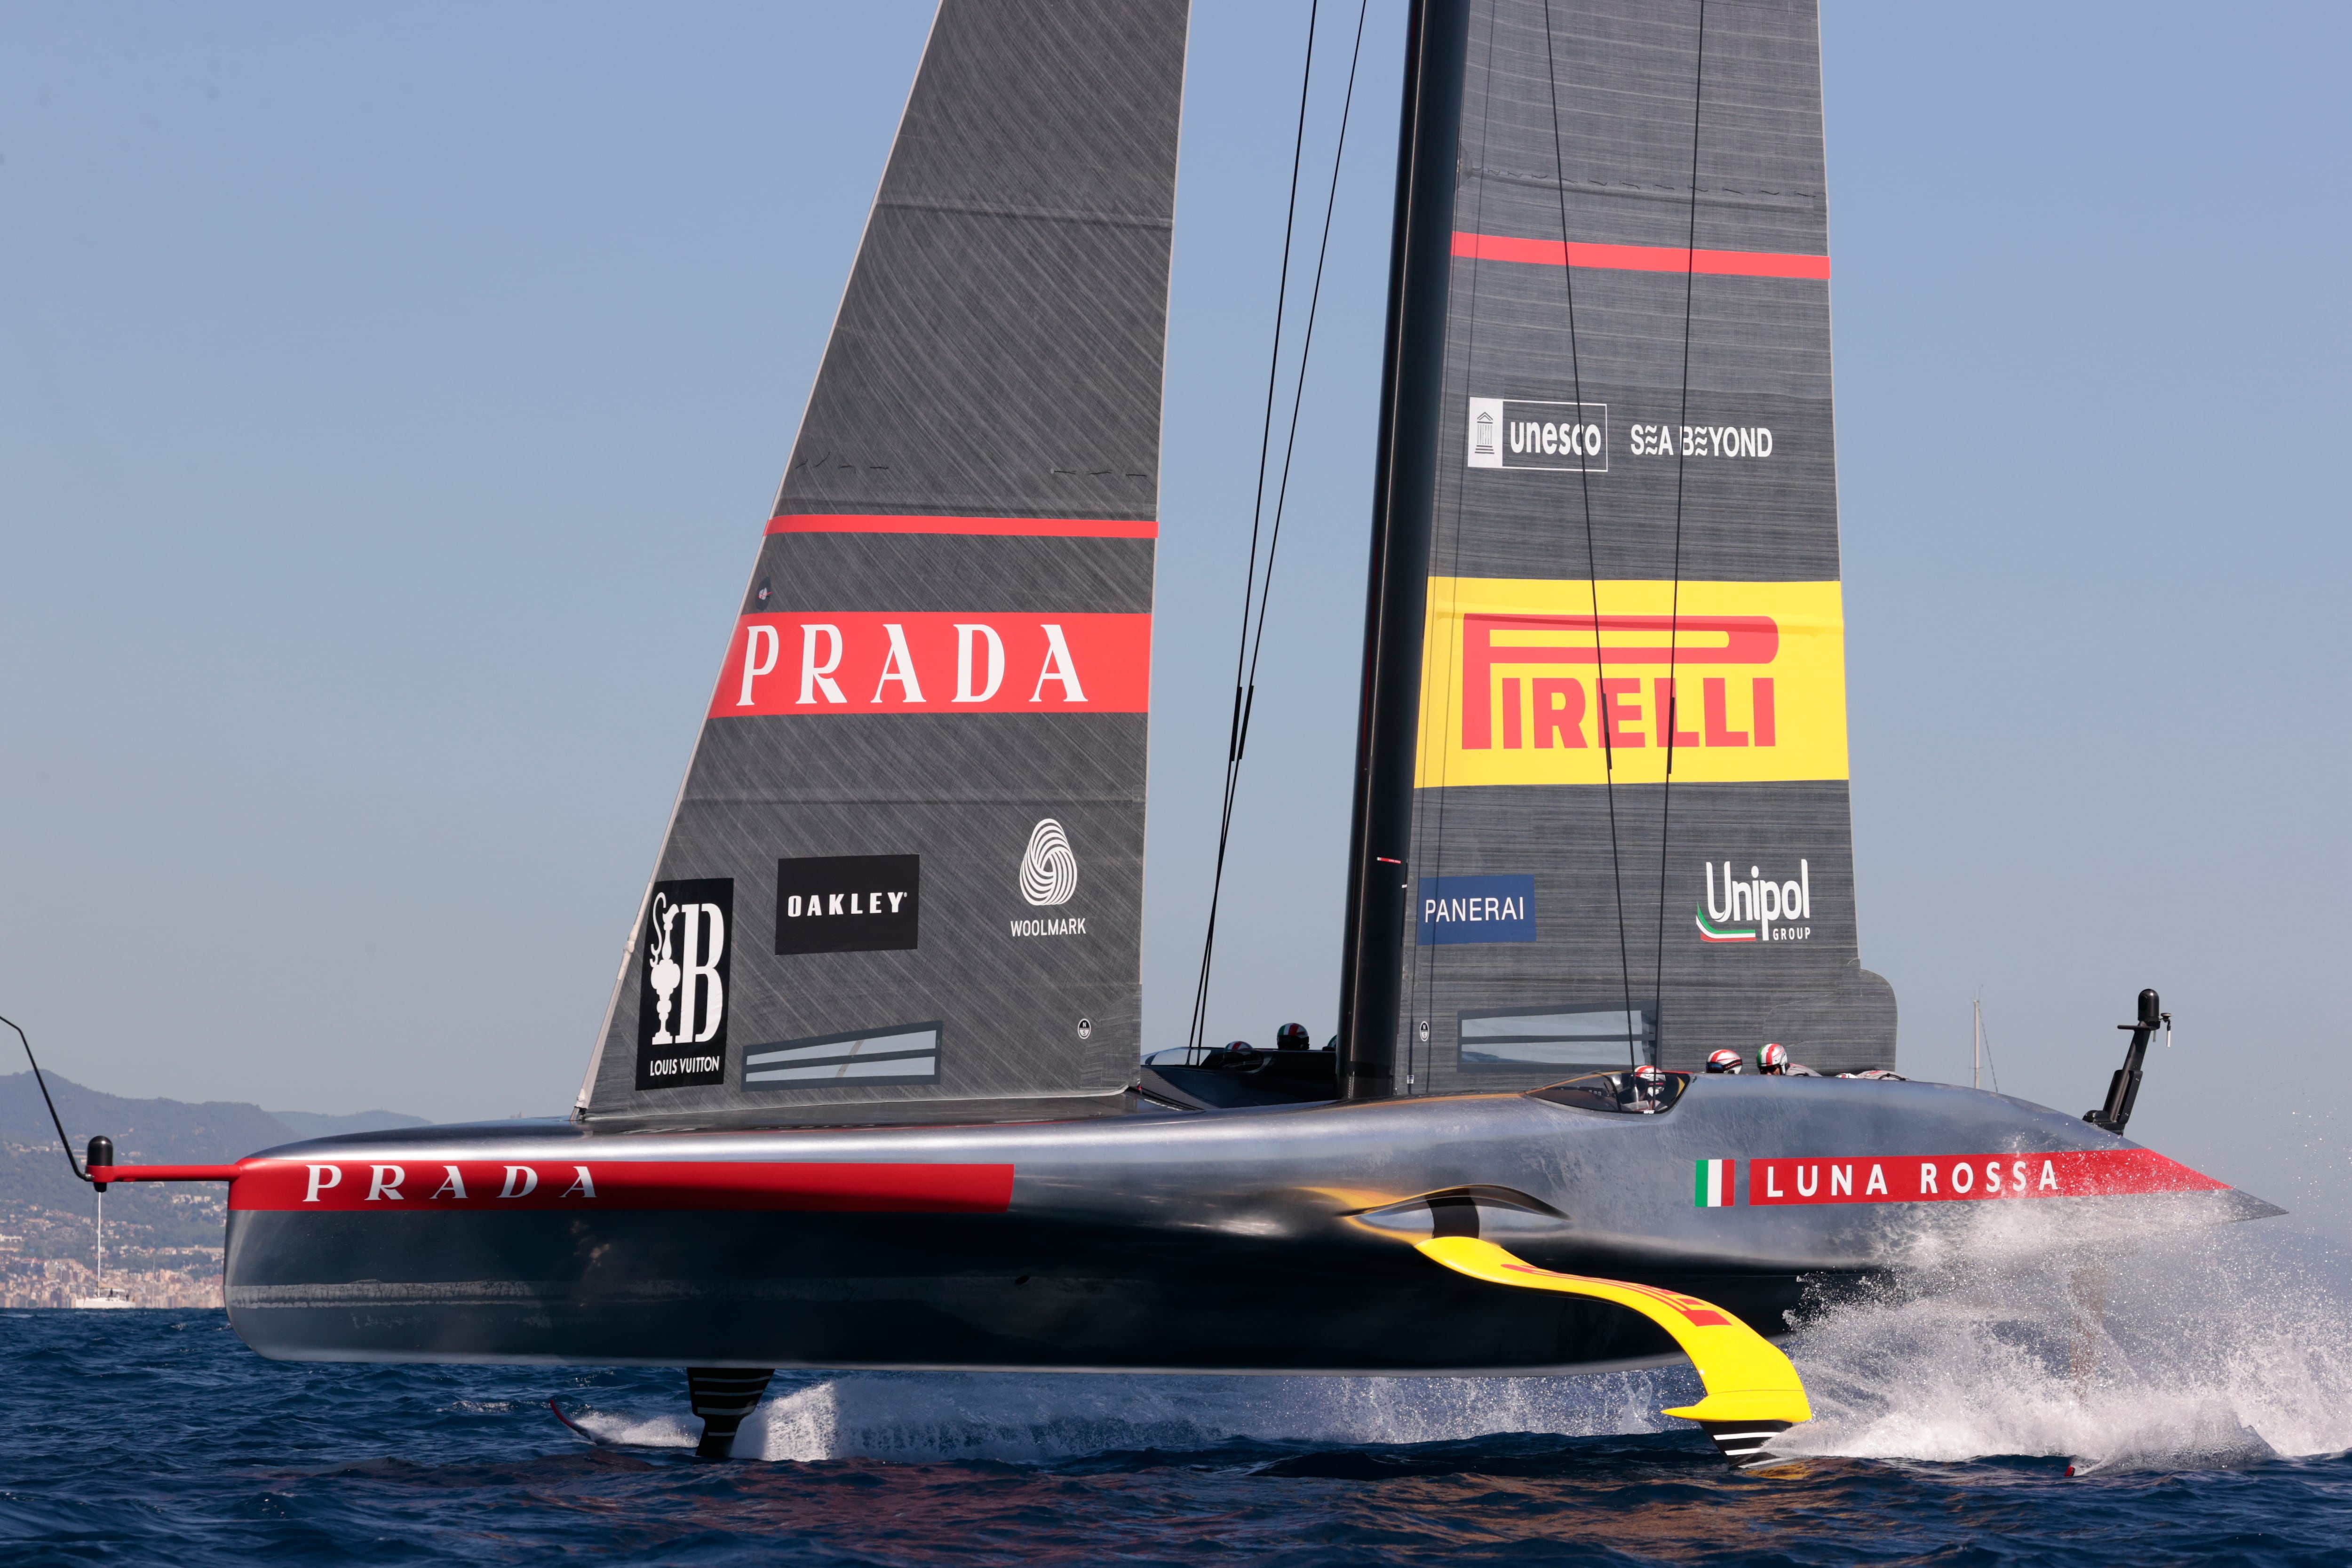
x,y
1531,681
1746,1379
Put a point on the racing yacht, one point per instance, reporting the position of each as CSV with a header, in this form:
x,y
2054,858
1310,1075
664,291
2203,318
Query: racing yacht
x,y
870,1090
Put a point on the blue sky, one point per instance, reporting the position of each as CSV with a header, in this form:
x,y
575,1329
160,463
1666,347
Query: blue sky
x,y
390,398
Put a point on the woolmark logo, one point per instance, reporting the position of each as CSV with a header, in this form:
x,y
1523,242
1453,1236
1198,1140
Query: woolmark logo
x,y
1049,870
1049,877
1751,907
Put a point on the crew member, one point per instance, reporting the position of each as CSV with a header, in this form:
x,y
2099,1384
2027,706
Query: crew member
x,y
1774,1060
1723,1061
1649,1089
1292,1038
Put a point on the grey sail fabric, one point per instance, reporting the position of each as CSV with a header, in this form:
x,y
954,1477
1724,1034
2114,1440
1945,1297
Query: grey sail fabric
x,y
1629,565
907,862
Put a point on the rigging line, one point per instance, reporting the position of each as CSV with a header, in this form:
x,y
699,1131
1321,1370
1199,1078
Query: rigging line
x,y
1249,581
1240,742
1682,465
63,1141
1592,564
1306,350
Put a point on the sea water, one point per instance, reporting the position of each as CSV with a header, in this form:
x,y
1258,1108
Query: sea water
x,y
2198,1387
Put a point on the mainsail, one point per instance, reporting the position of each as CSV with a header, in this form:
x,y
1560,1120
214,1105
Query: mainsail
x,y
907,861
1601,810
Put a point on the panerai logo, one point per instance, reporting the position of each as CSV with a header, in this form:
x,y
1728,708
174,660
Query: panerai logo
x,y
682,984
1756,909
1049,876
848,903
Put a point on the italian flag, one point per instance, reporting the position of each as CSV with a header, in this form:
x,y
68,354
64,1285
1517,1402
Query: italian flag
x,y
1712,1189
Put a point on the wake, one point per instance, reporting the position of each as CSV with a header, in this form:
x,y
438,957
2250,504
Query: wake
x,y
1037,1419
2191,1351
2198,1350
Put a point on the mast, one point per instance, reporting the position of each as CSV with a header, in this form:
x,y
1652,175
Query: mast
x,y
1403,497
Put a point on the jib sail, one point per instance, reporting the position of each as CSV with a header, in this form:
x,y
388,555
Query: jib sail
x,y
907,861
1602,794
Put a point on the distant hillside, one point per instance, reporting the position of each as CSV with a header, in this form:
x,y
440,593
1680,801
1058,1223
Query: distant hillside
x,y
48,1212
312,1124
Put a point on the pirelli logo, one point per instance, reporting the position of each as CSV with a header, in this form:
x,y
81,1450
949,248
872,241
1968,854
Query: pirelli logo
x,y
1531,682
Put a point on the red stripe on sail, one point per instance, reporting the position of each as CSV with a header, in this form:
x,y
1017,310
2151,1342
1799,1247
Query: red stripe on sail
x,y
1640,257
417,1186
1029,526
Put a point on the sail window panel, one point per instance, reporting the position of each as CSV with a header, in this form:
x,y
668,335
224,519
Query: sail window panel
x,y
1559,1037
903,1056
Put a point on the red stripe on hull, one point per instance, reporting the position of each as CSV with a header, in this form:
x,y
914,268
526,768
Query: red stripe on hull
x,y
1029,526
1642,258
111,1174
800,1186
1965,1178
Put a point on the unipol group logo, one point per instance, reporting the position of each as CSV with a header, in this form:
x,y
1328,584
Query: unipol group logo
x,y
1757,908
1049,878
683,962
1539,682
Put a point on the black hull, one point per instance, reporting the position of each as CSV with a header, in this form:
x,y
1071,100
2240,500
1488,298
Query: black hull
x,y
1254,1241
923,1292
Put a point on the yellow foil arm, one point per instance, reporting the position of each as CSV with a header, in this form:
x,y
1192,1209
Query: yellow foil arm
x,y
1752,1391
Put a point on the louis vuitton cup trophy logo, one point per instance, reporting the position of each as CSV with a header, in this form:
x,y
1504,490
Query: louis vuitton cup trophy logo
x,y
1049,877
683,961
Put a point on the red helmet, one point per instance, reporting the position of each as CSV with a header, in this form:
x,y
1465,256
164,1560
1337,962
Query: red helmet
x,y
1291,1037
1649,1076
1772,1058
1723,1061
